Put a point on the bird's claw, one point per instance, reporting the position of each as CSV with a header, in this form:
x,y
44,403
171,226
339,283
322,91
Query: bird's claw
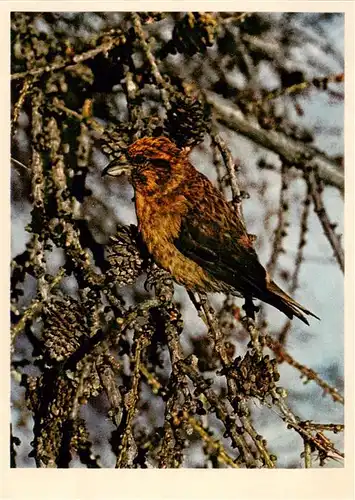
x,y
250,308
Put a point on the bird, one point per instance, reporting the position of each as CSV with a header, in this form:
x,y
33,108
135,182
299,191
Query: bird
x,y
190,229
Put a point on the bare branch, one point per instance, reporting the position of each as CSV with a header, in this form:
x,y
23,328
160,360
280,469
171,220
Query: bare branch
x,y
293,152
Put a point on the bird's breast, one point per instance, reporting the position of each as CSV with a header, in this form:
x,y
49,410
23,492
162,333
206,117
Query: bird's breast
x,y
159,222
159,217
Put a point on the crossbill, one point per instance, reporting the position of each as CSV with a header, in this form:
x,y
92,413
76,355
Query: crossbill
x,y
189,228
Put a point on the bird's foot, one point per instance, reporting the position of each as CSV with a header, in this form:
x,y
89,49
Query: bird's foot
x,y
250,308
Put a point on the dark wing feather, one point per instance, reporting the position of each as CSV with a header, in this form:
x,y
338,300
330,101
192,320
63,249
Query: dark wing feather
x,y
216,244
218,249
212,235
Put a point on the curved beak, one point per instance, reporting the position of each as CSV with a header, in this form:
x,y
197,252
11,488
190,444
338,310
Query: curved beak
x,y
117,167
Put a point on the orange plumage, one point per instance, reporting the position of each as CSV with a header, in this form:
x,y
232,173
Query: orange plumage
x,y
190,229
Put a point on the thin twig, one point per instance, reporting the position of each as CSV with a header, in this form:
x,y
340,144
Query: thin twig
x,y
280,232
310,374
131,400
324,427
74,114
211,442
302,242
299,87
20,102
231,168
307,455
328,227
293,421
161,82
291,151
67,64
34,308
229,421
220,347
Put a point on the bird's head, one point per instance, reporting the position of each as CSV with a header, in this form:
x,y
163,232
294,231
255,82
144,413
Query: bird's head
x,y
149,163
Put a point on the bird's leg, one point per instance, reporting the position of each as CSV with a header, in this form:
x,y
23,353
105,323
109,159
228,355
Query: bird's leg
x,y
249,308
249,323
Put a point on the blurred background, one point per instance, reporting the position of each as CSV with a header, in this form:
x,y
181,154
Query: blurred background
x,y
256,96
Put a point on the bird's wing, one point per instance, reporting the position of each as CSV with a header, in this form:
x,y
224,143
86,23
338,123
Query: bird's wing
x,y
216,240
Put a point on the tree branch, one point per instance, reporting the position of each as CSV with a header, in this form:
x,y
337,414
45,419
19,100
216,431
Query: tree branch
x,y
291,151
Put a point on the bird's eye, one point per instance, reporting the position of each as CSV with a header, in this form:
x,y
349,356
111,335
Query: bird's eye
x,y
139,159
160,162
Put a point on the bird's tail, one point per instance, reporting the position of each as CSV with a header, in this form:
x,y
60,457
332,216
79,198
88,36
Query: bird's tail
x,y
279,299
